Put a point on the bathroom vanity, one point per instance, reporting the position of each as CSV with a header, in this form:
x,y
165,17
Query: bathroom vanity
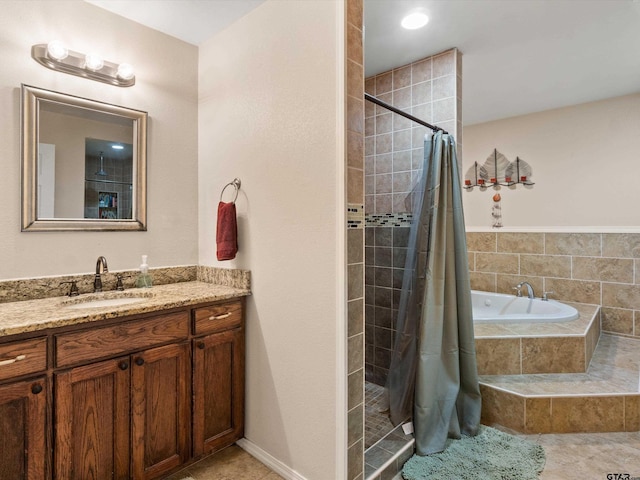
x,y
133,391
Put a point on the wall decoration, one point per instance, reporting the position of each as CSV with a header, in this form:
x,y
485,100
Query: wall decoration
x,y
498,171
496,211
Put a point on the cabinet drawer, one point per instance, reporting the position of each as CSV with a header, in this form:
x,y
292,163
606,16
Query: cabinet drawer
x,y
76,347
23,357
216,318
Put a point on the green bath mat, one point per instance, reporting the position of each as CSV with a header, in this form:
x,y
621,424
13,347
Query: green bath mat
x,y
490,455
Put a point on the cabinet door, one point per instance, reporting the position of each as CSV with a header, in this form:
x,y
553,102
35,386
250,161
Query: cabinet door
x,y
22,430
161,410
218,390
92,422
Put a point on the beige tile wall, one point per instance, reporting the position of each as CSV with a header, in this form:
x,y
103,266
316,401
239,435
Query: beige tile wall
x,y
594,268
355,239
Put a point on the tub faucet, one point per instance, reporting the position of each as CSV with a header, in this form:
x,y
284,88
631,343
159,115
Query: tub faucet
x,y
101,267
530,293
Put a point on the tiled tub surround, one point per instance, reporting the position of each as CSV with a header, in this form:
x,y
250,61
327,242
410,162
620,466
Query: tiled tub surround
x,y
569,377
604,399
591,268
519,348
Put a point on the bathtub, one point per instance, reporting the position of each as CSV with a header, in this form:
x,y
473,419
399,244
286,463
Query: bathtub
x,y
500,308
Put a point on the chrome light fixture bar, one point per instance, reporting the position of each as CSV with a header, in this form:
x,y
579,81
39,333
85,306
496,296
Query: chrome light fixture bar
x,y
56,57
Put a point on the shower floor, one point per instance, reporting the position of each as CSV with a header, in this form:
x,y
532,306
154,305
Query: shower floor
x,y
376,420
386,446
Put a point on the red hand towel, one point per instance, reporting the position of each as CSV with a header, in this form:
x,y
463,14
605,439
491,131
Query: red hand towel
x,y
227,232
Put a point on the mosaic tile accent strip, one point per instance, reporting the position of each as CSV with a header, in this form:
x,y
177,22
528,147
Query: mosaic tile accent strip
x,y
355,215
388,219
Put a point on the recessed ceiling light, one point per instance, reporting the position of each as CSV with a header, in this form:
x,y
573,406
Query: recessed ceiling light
x,y
414,20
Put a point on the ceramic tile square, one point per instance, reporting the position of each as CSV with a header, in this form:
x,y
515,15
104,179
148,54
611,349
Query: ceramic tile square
x,y
502,408
581,291
553,355
355,79
621,296
498,356
619,270
402,98
587,414
355,219
497,262
485,282
538,415
355,115
421,71
546,265
625,245
583,244
617,320
401,77
384,83
632,413
509,242
355,13
355,185
444,64
481,242
355,150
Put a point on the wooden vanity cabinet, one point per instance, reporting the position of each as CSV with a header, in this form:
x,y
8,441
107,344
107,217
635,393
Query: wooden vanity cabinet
x,y
132,410
132,399
22,430
23,410
218,377
128,417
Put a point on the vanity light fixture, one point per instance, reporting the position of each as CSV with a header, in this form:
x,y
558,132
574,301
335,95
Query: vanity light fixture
x,y
56,56
414,21
117,147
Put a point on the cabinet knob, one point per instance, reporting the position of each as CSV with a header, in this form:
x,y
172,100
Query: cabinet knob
x,y
201,345
36,389
123,365
139,361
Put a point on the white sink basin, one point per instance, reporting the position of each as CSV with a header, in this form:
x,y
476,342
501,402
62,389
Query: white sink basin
x,y
106,299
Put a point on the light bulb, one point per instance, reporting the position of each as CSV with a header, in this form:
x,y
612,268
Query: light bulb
x,y
57,50
125,71
414,20
93,62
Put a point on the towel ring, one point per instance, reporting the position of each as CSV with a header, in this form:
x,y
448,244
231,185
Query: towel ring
x,y
236,184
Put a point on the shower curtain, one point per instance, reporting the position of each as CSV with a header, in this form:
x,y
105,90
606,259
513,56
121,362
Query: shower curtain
x,y
433,373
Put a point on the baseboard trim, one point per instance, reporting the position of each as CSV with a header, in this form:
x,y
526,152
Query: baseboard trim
x,y
269,460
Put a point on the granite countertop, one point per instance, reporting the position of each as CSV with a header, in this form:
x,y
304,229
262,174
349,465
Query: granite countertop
x,y
34,315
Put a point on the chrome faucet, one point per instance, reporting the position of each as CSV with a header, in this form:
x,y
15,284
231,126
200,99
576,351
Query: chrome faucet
x,y
101,267
530,293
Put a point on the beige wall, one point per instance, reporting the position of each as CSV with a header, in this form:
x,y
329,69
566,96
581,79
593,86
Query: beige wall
x,y
271,113
585,167
166,87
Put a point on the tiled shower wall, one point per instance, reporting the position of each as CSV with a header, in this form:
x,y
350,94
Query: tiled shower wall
x,y
355,238
594,268
429,89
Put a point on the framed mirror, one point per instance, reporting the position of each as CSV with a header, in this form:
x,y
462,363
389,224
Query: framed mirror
x,y
83,164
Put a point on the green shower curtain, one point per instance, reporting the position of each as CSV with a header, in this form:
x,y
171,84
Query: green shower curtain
x,y
433,375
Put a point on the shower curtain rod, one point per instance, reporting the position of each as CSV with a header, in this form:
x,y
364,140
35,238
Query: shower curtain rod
x,y
377,101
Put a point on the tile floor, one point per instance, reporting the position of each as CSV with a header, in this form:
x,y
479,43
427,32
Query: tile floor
x,y
583,456
232,463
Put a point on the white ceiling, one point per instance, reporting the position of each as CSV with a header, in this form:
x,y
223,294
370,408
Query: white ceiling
x,y
519,56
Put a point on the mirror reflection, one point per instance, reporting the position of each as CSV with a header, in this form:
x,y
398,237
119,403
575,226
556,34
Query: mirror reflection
x,y
83,164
